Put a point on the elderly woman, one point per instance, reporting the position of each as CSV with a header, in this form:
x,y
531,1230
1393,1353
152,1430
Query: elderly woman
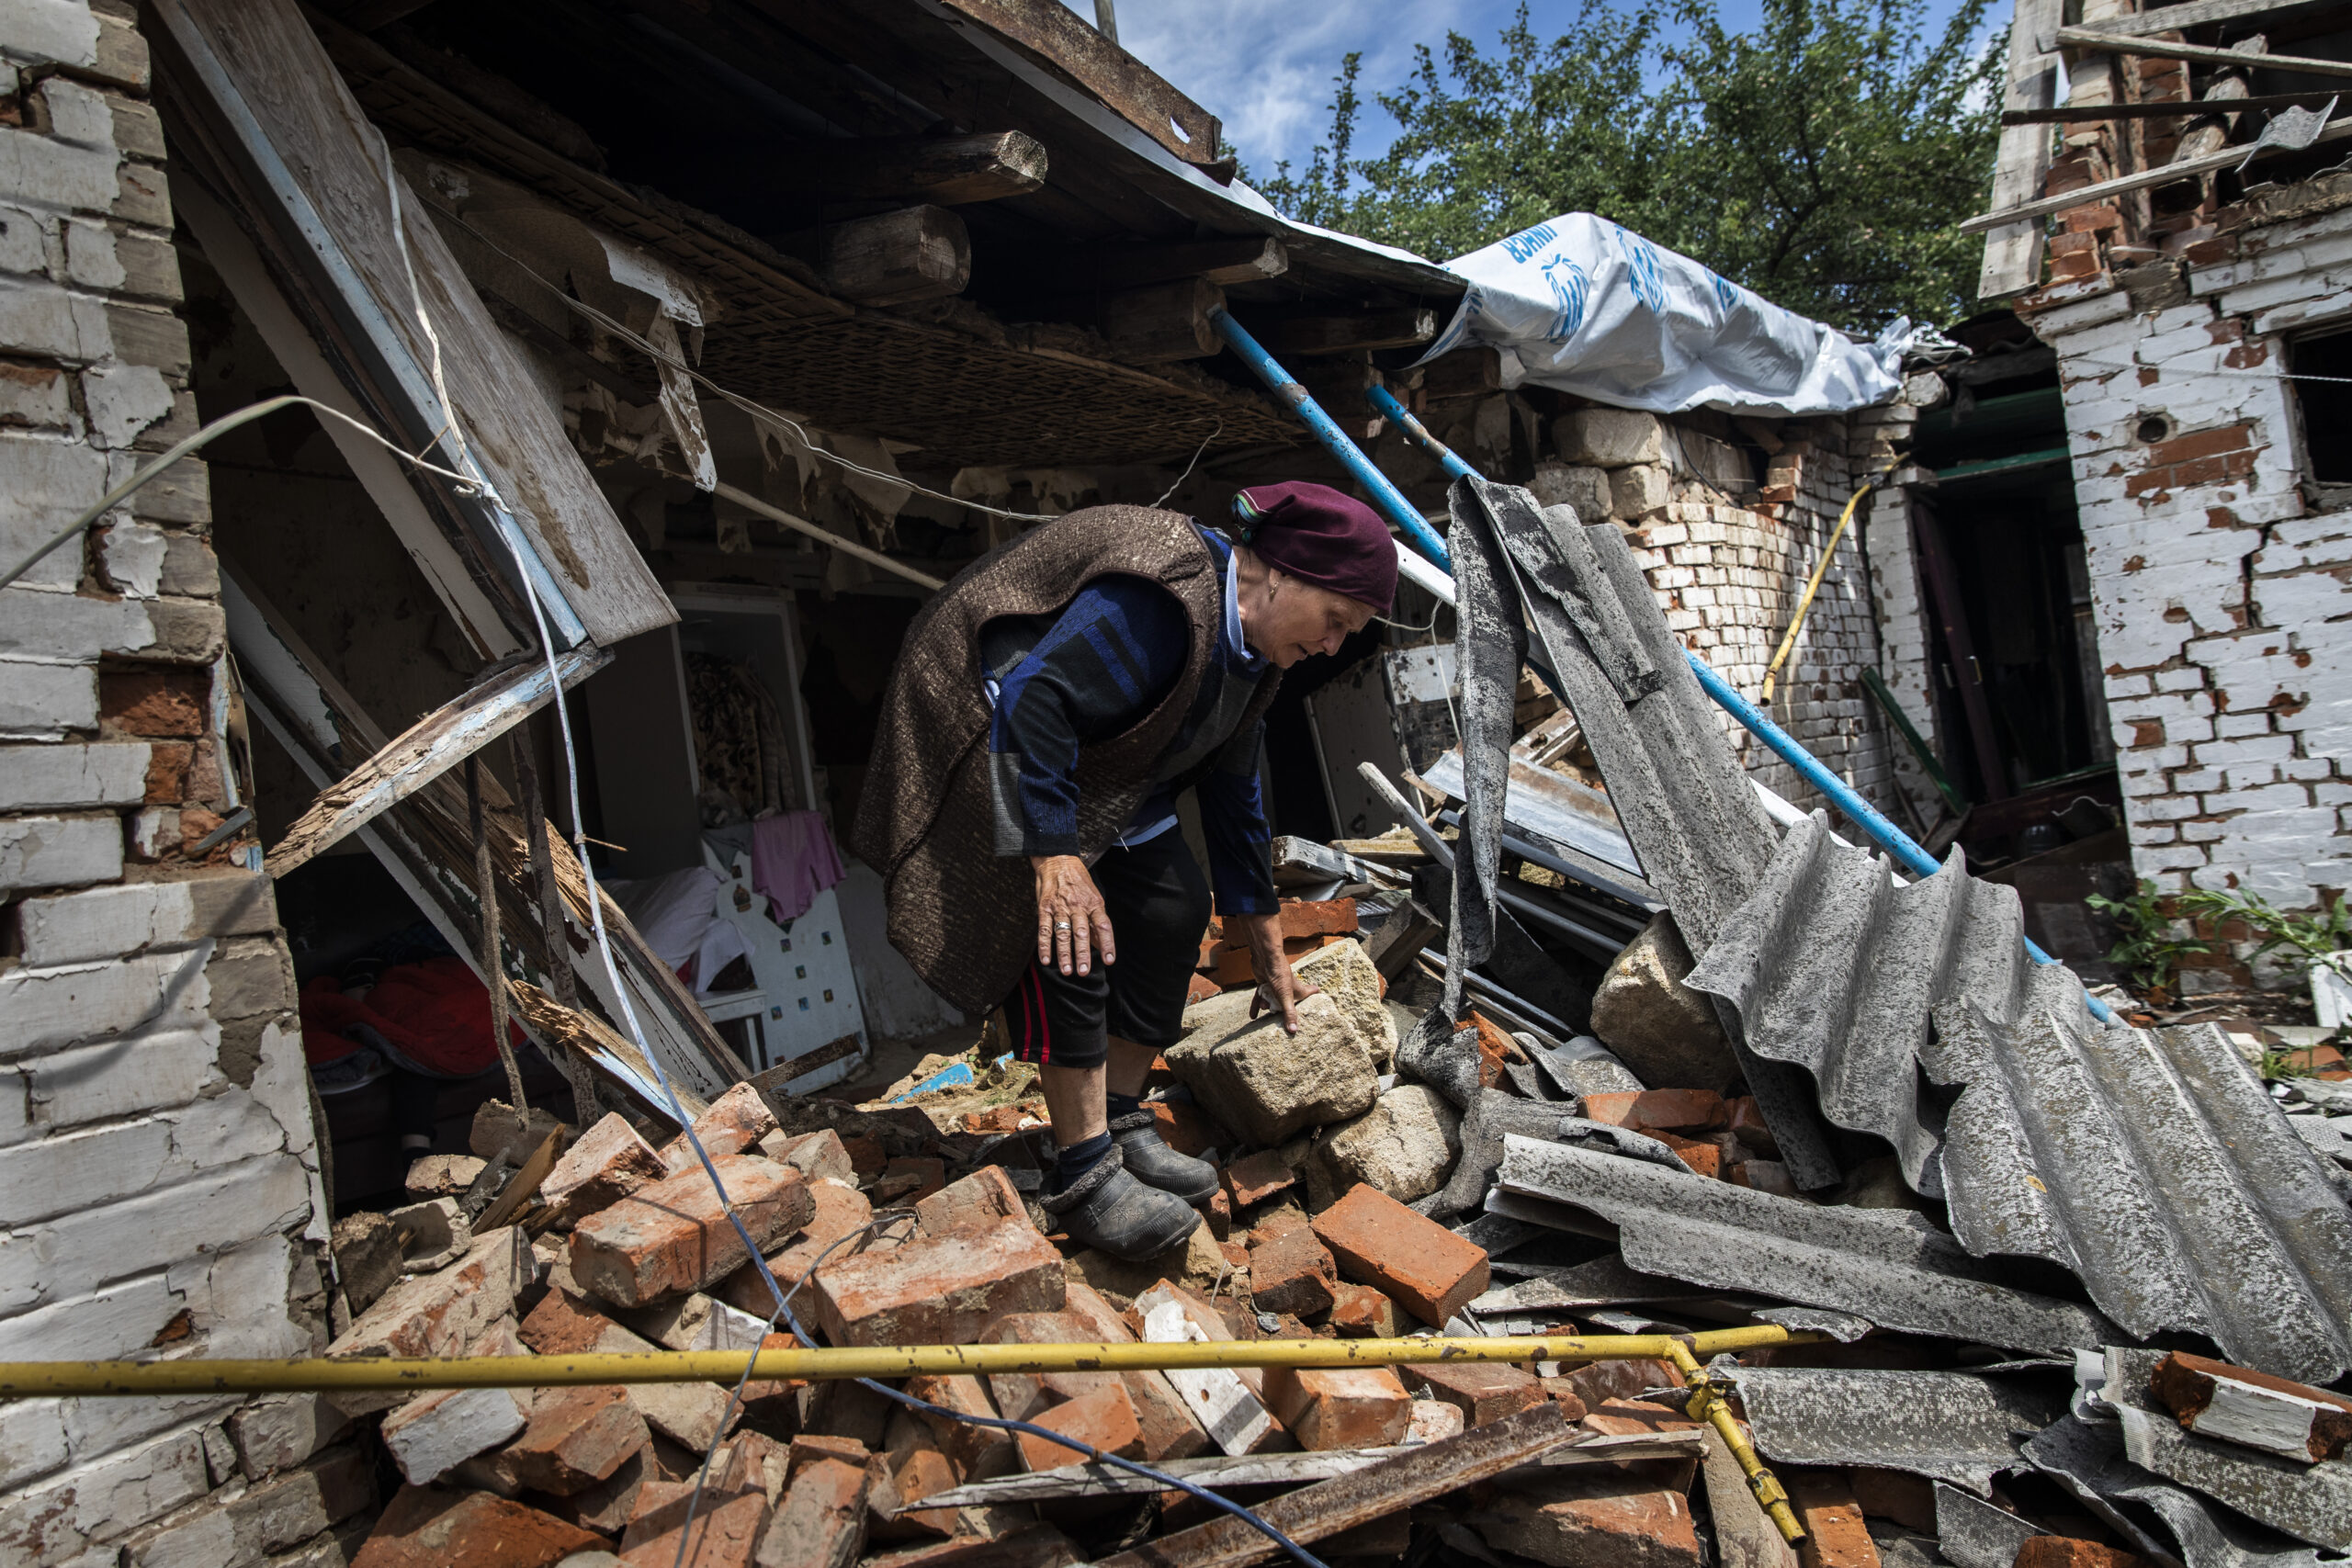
x,y
1049,708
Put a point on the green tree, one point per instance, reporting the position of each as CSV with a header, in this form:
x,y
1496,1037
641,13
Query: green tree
x,y
1823,160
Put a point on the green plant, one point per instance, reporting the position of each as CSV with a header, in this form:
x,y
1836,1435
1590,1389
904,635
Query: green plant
x,y
1823,157
2311,936
2145,946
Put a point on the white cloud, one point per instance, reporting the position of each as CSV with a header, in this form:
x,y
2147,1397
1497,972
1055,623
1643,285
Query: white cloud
x,y
1265,68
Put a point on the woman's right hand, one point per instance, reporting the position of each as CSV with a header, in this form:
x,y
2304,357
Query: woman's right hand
x,y
1072,924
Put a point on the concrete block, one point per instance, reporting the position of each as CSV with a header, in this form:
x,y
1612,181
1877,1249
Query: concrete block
x,y
1607,438
1272,1085
1405,1145
1657,1026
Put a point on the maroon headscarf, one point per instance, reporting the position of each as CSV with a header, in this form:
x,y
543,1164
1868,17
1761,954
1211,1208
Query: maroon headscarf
x,y
1321,536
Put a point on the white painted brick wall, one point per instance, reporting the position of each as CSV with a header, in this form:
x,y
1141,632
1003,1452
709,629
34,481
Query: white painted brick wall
x,y
152,1193
2224,616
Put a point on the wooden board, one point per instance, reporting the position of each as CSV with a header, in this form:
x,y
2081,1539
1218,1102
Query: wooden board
x,y
2013,254
321,177
2198,13
1140,97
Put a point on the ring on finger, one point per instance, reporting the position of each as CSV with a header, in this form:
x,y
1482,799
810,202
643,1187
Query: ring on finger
x,y
1061,925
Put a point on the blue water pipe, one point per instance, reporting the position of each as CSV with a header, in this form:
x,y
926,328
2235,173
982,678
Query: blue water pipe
x,y
1386,496
1836,791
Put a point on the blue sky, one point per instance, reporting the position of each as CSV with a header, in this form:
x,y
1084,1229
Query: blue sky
x,y
1265,66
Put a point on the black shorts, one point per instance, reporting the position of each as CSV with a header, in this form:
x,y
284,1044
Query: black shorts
x,y
1158,905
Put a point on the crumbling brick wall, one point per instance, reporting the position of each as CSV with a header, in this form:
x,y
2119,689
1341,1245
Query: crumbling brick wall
x,y
160,1181
1730,571
2218,574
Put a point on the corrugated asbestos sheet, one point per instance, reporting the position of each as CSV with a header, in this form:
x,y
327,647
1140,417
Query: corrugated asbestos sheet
x,y
1885,1266
1961,1428
2151,1164
1681,796
2312,1503
2087,1459
1834,968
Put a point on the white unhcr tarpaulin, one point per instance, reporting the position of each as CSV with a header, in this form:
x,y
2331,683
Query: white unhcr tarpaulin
x,y
1579,304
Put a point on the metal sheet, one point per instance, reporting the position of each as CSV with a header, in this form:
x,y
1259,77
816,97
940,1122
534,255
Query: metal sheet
x,y
2312,1503
1959,1427
2151,1164
1884,1265
1550,809
2168,1523
1604,1281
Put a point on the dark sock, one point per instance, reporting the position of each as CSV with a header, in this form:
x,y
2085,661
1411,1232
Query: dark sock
x,y
1075,1161
1118,1105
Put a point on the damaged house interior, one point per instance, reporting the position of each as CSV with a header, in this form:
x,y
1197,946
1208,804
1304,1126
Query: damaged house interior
x,y
466,1097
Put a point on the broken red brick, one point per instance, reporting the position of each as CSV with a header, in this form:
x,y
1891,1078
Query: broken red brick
x,y
175,704
979,1200
978,1452
2067,1551
1104,1419
733,1123
1318,916
1659,1110
577,1438
1339,1408
1599,1383
1835,1533
1909,1500
1169,1430
1419,1264
909,1178
724,1533
1601,1516
1292,1273
1704,1159
428,1527
608,1163
1482,1391
674,1236
1746,1120
1185,1127
837,1210
1625,1417
914,1470
1256,1178
809,1447
864,1151
1560,1391
1200,989
940,1290
1362,1313
813,1155
822,1521
1022,1395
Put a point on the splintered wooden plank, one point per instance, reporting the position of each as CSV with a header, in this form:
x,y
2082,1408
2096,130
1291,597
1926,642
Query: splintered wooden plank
x,y
2013,253
946,171
312,170
429,748
1344,1501
2196,14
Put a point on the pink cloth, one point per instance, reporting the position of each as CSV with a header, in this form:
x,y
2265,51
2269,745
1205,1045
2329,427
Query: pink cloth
x,y
793,860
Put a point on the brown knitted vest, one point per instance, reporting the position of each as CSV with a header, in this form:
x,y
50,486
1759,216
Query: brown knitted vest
x,y
965,918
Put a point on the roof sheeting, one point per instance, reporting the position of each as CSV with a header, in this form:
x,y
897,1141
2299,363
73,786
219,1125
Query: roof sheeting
x,y
1961,1428
2152,1165
2087,1459
1884,1265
